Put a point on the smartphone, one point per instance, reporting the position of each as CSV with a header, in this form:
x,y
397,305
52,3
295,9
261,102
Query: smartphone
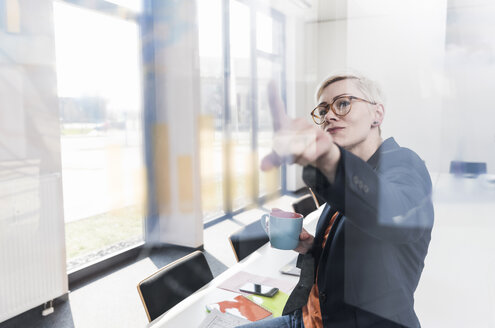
x,y
258,289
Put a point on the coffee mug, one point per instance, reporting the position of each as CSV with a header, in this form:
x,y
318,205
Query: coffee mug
x,y
283,228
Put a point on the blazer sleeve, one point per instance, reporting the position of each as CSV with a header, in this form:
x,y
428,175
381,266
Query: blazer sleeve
x,y
392,202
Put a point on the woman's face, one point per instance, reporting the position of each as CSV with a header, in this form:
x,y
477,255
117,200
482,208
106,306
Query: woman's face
x,y
356,129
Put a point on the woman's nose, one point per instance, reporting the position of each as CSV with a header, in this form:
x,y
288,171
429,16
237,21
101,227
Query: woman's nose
x,y
330,116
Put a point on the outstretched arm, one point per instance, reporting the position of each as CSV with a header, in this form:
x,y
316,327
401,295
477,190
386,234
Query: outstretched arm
x,y
297,141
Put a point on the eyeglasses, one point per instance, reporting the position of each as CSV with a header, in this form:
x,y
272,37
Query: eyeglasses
x,y
341,106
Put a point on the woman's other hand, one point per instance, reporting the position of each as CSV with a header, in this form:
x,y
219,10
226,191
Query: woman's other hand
x,y
305,242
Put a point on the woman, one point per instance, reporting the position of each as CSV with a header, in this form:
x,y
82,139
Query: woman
x,y
364,263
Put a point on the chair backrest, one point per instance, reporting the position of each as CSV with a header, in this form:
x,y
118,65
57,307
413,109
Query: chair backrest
x,y
248,239
173,283
472,169
304,205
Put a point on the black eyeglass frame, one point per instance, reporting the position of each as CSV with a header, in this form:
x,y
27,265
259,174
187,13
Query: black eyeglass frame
x,y
320,121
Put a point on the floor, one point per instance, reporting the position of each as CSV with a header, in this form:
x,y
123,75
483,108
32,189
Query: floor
x,y
111,300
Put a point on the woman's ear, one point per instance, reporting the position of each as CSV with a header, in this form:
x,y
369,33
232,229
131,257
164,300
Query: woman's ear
x,y
378,114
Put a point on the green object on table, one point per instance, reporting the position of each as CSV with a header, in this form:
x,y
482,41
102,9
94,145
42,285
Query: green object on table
x,y
273,304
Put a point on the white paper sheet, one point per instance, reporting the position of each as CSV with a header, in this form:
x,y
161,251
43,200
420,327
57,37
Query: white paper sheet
x,y
217,319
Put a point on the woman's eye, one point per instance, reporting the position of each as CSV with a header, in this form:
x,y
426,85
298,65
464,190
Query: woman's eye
x,y
343,104
322,111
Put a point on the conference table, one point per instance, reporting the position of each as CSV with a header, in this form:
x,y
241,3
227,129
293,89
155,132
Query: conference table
x,y
266,261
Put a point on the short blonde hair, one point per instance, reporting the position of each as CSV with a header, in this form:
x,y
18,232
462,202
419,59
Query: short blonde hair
x,y
368,87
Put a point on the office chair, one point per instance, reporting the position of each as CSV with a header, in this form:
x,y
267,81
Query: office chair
x,y
467,169
306,204
248,239
173,283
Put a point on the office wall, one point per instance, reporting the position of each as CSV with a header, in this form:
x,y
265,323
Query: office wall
x,y
401,45
331,54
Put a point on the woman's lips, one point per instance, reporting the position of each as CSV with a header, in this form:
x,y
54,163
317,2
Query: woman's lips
x,y
334,130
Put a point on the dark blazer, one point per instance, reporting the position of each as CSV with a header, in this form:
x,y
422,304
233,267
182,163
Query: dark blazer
x,y
374,255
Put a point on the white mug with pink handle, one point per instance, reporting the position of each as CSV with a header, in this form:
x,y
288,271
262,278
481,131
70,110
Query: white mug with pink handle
x,y
283,228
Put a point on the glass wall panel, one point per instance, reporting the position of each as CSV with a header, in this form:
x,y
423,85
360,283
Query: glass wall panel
x,y
241,111
212,107
264,32
236,128
268,70
269,32
99,88
435,63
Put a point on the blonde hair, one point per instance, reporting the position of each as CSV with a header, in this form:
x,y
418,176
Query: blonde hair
x,y
368,87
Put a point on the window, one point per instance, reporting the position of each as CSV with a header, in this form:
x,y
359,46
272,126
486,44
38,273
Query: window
x,y
99,88
241,49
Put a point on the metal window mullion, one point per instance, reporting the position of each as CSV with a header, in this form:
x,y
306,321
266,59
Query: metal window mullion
x,y
151,222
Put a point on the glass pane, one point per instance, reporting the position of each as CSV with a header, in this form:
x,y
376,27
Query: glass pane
x,y
264,32
241,161
99,87
212,105
469,67
269,182
278,37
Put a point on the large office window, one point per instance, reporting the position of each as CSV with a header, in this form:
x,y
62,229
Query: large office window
x,y
100,100
241,49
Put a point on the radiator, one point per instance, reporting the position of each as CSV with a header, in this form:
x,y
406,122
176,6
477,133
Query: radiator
x,y
32,246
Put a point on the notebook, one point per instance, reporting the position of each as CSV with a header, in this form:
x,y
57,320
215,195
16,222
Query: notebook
x,y
274,304
242,307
